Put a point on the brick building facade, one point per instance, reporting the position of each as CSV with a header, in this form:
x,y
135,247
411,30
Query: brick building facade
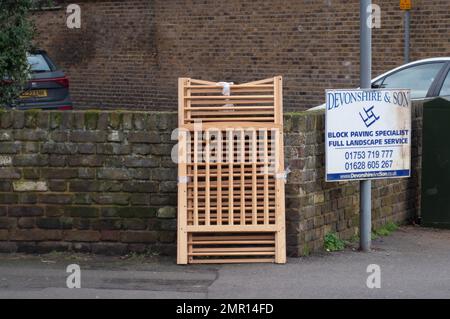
x,y
129,54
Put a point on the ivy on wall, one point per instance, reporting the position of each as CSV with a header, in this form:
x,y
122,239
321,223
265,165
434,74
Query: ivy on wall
x,y
16,34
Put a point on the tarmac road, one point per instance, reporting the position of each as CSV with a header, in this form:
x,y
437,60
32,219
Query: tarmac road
x,y
414,263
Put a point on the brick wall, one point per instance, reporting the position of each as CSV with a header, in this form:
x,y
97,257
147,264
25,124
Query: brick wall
x,y
87,181
130,53
104,182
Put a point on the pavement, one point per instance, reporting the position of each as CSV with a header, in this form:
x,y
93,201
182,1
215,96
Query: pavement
x,y
414,263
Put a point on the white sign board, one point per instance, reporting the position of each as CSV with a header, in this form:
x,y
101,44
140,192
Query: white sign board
x,y
367,134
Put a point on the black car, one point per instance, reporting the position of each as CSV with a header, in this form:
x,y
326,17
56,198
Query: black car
x,y
48,87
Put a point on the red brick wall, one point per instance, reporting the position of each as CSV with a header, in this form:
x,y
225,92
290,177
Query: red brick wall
x,y
129,54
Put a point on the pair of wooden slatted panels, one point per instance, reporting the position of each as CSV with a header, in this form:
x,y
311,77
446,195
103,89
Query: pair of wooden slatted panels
x,y
231,172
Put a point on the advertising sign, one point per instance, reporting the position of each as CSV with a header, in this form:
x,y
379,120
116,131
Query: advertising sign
x,y
367,134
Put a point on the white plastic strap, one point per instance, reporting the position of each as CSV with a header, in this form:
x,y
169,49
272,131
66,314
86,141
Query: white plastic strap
x,y
183,179
226,87
283,175
226,91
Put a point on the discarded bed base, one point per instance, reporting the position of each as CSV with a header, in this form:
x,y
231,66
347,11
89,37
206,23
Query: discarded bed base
x,y
231,172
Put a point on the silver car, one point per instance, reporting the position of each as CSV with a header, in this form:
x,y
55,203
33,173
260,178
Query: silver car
x,y
427,79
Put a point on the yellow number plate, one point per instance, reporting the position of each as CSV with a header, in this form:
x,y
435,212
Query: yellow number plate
x,y
34,93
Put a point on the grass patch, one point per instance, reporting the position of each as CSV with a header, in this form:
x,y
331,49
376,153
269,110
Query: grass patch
x,y
333,243
386,230
56,255
141,256
354,239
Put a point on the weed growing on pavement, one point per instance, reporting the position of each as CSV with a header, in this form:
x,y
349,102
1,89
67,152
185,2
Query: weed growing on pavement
x,y
386,230
306,251
333,243
141,256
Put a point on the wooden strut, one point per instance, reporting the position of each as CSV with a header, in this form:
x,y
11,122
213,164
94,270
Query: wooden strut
x,y
230,151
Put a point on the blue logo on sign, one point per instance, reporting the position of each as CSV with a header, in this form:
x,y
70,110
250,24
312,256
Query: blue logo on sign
x,y
369,117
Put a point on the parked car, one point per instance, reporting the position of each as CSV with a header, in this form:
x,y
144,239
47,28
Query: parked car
x,y
48,87
427,79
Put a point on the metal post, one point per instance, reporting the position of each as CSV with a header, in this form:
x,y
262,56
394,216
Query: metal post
x,y
407,23
365,225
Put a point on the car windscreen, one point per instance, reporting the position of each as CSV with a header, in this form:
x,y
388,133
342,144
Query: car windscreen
x,y
418,78
38,63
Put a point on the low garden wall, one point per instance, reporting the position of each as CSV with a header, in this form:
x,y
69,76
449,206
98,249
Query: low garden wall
x,y
104,182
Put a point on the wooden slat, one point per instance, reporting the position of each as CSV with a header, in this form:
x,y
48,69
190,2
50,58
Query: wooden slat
x,y
232,261
232,228
247,167
231,125
229,97
229,108
201,165
213,220
235,113
236,207
242,175
213,184
225,196
231,242
196,160
202,82
237,253
189,249
213,216
213,174
265,81
270,205
272,220
187,92
260,218
230,177
233,237
223,101
266,177
219,181
234,249
227,119
280,235
233,91
207,176
254,178
182,235
232,86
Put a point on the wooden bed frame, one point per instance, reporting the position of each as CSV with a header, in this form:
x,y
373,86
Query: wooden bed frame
x,y
231,176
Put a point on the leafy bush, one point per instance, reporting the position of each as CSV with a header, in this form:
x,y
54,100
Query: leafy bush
x,y
16,33
333,243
